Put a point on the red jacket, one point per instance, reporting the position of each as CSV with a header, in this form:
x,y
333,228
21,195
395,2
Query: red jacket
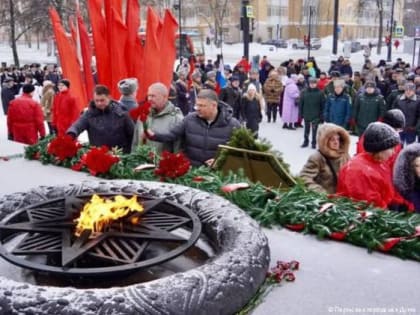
x,y
66,111
322,83
390,161
366,179
25,120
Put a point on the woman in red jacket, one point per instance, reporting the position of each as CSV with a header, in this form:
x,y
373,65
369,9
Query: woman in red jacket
x,y
25,120
366,177
66,109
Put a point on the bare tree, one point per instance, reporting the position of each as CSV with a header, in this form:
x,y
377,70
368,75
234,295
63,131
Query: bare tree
x,y
30,17
218,10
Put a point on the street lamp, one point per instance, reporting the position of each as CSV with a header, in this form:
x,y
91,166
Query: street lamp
x,y
391,30
177,6
335,32
311,13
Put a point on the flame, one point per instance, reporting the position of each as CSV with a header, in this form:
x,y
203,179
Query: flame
x,y
99,212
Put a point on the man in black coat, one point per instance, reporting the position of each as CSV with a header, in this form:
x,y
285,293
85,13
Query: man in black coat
x,y
202,131
8,92
106,122
231,95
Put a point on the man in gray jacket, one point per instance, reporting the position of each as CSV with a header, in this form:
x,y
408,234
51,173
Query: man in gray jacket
x,y
163,116
105,121
202,131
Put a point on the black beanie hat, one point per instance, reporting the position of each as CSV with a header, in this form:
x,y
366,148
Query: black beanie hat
x,y
395,118
65,82
380,137
28,88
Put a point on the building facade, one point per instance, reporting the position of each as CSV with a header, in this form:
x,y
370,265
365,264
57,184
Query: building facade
x,y
291,18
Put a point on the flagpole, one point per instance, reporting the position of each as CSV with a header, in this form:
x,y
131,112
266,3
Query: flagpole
x,y
78,46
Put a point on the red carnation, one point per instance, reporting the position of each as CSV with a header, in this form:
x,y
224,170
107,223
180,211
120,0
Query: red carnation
x,y
99,160
77,167
63,147
172,165
198,179
141,112
338,236
295,227
389,243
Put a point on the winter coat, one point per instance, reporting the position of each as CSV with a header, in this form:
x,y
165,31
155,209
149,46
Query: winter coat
x,y
366,179
338,109
47,100
272,90
66,110
200,138
111,127
346,69
232,97
25,120
182,96
405,180
128,103
411,109
391,161
7,95
251,111
392,97
163,121
320,172
290,107
367,108
311,105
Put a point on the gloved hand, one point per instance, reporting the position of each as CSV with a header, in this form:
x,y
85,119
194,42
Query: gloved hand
x,y
10,136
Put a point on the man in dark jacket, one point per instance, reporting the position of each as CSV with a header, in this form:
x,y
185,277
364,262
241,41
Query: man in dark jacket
x,y
409,103
202,131
8,92
311,103
106,122
231,95
369,107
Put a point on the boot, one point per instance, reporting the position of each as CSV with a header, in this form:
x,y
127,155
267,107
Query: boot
x,y
313,145
285,126
305,144
291,127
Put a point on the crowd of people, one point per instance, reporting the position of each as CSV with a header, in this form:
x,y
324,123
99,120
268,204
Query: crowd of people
x,y
380,104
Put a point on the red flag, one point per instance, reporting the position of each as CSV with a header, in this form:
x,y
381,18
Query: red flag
x,y
86,51
68,58
134,48
73,31
117,44
167,47
100,41
151,57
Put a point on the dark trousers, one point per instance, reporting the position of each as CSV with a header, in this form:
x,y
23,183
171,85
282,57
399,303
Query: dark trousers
x,y
307,129
51,128
272,111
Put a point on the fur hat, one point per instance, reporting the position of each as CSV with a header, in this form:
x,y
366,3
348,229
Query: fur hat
x,y
395,118
404,177
410,86
380,137
313,80
128,86
65,82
